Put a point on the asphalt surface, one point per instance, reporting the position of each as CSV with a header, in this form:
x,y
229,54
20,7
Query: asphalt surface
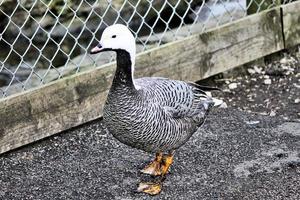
x,y
236,155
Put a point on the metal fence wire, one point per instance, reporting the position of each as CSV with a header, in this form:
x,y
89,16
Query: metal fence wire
x,y
45,40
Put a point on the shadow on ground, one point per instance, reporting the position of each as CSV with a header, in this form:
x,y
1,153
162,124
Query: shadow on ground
x,y
236,155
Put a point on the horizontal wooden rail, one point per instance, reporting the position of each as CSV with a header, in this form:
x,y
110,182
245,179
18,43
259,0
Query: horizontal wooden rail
x,y
291,22
71,101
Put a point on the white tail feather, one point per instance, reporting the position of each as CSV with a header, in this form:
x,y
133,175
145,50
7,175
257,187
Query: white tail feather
x,y
219,103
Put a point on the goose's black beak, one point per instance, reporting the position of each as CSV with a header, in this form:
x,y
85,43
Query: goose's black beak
x,y
97,49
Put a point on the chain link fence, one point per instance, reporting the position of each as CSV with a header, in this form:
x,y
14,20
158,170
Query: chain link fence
x,y
45,40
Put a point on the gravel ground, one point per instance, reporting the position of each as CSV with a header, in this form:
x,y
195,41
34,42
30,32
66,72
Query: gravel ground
x,y
266,89
240,153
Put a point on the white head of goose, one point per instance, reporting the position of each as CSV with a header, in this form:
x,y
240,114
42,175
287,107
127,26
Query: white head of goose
x,y
118,38
157,115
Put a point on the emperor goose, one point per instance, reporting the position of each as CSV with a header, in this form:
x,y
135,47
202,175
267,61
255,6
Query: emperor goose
x,y
157,115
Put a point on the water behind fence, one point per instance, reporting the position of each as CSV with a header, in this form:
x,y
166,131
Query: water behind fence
x,y
44,40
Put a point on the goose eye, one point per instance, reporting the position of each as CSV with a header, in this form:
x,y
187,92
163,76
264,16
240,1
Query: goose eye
x,y
114,36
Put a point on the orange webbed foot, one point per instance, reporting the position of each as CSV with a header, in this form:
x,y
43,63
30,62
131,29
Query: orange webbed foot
x,y
154,168
150,188
160,166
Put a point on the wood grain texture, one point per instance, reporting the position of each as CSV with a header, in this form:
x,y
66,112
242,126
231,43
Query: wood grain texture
x,y
62,104
215,51
260,5
291,23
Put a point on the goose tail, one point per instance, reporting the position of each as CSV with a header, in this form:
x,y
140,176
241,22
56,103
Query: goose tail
x,y
217,102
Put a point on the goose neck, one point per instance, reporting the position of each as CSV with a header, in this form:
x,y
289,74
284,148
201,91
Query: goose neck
x,y
124,71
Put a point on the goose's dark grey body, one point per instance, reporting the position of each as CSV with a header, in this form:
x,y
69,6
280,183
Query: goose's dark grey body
x,y
153,114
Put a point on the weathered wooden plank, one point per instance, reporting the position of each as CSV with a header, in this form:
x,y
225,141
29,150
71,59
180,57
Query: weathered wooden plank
x,y
256,6
71,101
52,108
291,23
203,55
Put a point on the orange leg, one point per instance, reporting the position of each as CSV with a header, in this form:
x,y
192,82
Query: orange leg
x,y
159,167
166,163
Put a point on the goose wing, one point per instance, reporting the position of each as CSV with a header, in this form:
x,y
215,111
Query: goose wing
x,y
178,99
